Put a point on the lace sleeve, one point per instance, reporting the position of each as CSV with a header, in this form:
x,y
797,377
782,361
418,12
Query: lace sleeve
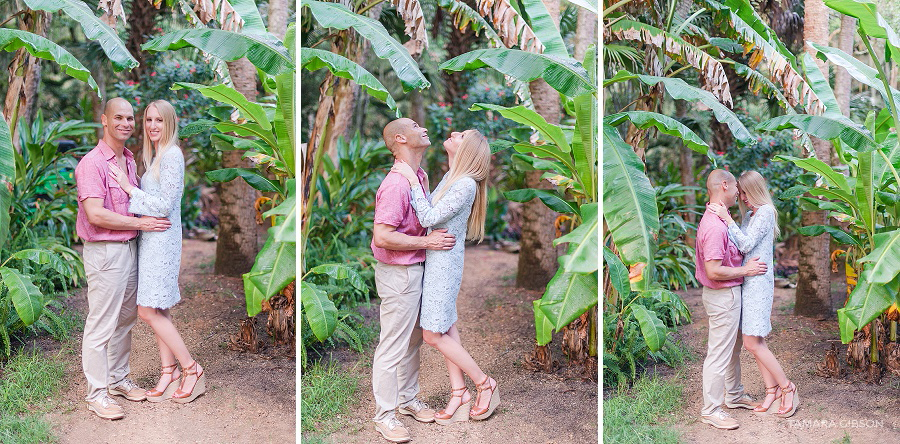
x,y
461,193
171,187
761,224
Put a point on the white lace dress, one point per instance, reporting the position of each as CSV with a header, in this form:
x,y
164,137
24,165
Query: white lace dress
x,y
755,238
444,268
159,253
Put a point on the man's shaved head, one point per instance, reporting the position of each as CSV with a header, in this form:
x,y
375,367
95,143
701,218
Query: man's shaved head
x,y
716,177
722,187
116,104
394,128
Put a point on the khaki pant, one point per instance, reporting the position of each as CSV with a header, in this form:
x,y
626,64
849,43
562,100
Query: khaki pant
x,y
722,367
112,278
395,368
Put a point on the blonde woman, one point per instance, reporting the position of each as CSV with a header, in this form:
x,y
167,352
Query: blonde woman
x,y
458,204
755,238
159,254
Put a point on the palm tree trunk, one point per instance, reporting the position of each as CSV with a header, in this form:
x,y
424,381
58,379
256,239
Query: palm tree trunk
x,y
140,26
842,79
585,32
237,245
814,275
278,17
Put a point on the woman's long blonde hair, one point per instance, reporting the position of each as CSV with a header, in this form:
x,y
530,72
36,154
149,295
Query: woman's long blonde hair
x,y
168,139
754,186
472,159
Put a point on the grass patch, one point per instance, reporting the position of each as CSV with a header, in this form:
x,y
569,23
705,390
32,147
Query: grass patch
x,y
644,413
29,379
327,391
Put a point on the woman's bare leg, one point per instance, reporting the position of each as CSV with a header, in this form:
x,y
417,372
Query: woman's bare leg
x,y
167,335
454,352
768,364
457,380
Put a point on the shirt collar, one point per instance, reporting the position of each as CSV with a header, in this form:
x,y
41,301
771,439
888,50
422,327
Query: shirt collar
x,y
108,152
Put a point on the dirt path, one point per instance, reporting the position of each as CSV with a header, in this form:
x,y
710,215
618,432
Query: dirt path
x,y
250,397
829,408
497,328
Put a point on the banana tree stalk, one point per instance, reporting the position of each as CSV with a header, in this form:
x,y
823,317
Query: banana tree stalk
x,y
893,331
884,80
873,347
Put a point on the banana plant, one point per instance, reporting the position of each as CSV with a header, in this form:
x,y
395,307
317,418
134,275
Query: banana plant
x,y
867,200
266,135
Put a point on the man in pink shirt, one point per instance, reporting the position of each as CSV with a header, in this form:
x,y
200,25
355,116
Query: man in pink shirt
x,y
110,262
720,272
399,244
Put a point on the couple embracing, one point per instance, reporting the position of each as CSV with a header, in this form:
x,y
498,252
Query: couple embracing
x,y
132,253
738,290
418,276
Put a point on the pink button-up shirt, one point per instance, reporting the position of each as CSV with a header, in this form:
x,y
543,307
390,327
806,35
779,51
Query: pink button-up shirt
x,y
393,207
713,244
93,179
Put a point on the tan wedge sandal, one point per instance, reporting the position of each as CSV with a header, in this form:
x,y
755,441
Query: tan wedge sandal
x,y
482,414
795,401
762,409
154,395
182,397
460,414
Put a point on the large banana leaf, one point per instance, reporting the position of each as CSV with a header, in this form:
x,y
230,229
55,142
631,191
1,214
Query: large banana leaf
x,y
584,144
314,59
629,201
551,151
891,148
836,233
821,168
7,177
551,199
93,27
870,21
568,295
321,314
885,258
335,15
286,230
40,256
249,12
618,274
464,15
275,267
867,300
819,84
13,39
663,123
284,117
865,194
265,51
230,96
823,127
545,28
341,272
565,75
251,176
525,116
711,70
543,327
679,89
27,299
652,328
590,5
584,241
861,72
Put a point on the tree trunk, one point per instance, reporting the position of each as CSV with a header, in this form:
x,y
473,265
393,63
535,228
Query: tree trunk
x,y
237,245
814,275
39,24
842,79
417,107
278,17
585,32
686,162
140,26
458,43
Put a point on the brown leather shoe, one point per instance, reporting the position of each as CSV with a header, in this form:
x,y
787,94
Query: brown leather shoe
x,y
106,407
